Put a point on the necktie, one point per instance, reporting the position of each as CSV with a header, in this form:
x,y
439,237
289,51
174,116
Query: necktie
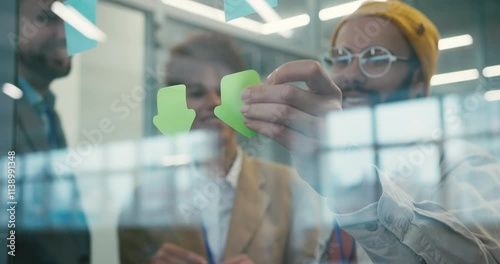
x,y
341,248
52,129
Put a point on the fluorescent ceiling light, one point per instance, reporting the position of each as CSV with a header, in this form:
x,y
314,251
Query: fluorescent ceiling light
x,y
341,10
13,91
197,8
491,96
78,21
491,71
214,14
247,24
287,23
242,22
454,77
268,14
455,42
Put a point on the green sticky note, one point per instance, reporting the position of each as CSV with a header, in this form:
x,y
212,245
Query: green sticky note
x,y
173,115
239,8
231,88
76,42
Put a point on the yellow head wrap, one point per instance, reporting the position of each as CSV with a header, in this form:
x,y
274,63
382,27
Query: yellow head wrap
x,y
421,33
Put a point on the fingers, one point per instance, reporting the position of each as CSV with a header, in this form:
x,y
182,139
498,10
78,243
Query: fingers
x,y
194,258
172,254
311,103
282,114
309,71
240,259
162,257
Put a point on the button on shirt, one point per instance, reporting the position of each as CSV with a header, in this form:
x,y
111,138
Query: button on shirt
x,y
217,216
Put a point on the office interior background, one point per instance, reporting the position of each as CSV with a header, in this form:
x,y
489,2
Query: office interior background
x,y
118,82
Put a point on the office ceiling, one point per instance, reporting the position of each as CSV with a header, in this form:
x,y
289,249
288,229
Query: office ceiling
x,y
479,18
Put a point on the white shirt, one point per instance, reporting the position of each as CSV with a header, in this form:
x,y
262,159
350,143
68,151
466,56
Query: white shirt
x,y
458,223
217,215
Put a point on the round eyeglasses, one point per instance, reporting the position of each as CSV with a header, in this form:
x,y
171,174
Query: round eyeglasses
x,y
374,62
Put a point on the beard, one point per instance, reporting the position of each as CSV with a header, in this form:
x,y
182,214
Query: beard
x,y
375,98
403,91
50,61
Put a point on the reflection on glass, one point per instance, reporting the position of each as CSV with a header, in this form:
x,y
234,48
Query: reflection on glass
x,y
350,127
35,216
349,167
489,144
33,166
469,114
407,121
121,156
411,166
475,196
63,203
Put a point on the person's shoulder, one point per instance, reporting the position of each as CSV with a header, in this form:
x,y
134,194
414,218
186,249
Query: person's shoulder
x,y
459,151
464,157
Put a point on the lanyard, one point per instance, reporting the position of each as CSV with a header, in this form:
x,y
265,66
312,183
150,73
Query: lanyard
x,y
339,241
207,246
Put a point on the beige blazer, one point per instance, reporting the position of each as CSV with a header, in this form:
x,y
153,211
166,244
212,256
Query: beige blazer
x,y
275,219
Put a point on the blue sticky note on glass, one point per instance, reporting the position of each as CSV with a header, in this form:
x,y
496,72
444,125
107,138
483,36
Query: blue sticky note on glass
x,y
76,41
240,8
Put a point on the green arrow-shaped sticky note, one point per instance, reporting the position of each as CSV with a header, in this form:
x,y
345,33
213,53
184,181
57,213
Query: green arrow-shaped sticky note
x,y
229,111
173,115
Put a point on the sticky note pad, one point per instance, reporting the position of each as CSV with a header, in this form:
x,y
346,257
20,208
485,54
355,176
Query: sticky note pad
x,y
231,102
240,8
173,115
76,41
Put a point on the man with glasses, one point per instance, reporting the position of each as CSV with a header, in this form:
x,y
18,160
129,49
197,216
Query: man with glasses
x,y
383,52
374,63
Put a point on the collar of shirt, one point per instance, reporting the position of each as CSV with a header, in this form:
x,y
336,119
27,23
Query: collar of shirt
x,y
233,175
217,216
234,172
34,98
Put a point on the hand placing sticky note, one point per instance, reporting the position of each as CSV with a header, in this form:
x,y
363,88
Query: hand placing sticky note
x,y
76,41
240,8
173,115
231,88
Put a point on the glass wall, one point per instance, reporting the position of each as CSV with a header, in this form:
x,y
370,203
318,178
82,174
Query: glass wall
x,y
90,175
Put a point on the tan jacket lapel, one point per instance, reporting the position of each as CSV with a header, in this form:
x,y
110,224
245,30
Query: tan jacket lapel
x,y
249,208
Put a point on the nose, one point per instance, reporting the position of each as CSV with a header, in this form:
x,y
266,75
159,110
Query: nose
x,y
213,98
353,74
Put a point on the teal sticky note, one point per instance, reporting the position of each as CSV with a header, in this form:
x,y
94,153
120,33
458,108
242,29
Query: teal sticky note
x,y
76,42
240,8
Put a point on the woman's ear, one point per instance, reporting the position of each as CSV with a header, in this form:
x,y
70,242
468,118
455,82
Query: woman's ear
x,y
419,87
